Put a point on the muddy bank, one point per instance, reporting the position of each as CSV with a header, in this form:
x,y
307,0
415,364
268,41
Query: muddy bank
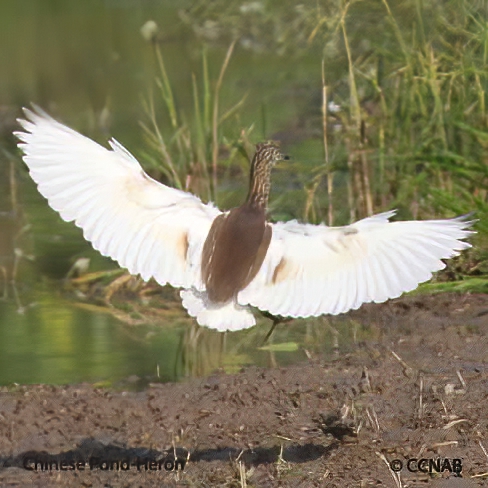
x,y
420,393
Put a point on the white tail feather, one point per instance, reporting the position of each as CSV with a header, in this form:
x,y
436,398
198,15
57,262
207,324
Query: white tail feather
x,y
228,316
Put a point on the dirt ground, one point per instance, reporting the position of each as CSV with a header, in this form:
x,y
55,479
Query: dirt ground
x,y
420,394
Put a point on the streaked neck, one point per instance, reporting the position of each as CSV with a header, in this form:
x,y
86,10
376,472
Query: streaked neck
x,y
259,184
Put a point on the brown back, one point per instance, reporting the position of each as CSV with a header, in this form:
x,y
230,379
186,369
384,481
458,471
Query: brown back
x,y
234,251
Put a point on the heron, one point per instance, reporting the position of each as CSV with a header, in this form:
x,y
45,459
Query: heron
x,y
228,262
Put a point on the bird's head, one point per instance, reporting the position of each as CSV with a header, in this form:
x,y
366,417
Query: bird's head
x,y
268,154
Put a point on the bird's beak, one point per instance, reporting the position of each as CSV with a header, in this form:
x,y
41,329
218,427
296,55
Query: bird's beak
x,y
281,161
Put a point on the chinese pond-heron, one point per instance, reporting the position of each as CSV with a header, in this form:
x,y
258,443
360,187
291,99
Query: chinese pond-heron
x,y
227,262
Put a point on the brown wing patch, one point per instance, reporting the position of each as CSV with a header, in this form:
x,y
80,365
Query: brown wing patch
x,y
183,245
284,270
234,251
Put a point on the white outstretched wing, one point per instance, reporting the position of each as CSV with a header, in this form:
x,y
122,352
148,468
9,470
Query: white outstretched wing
x,y
311,270
147,227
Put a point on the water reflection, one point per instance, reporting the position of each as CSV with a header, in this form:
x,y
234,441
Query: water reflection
x,y
57,341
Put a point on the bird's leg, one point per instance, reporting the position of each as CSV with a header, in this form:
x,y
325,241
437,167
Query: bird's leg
x,y
276,319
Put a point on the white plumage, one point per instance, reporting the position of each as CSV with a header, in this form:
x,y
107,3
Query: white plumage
x,y
158,232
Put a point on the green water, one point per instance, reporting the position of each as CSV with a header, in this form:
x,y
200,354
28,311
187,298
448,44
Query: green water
x,y
86,63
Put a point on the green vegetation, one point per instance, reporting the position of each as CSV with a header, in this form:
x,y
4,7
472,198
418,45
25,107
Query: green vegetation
x,y
404,120
468,285
191,159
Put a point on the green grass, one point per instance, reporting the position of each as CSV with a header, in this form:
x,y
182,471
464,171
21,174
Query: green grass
x,y
190,159
468,285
